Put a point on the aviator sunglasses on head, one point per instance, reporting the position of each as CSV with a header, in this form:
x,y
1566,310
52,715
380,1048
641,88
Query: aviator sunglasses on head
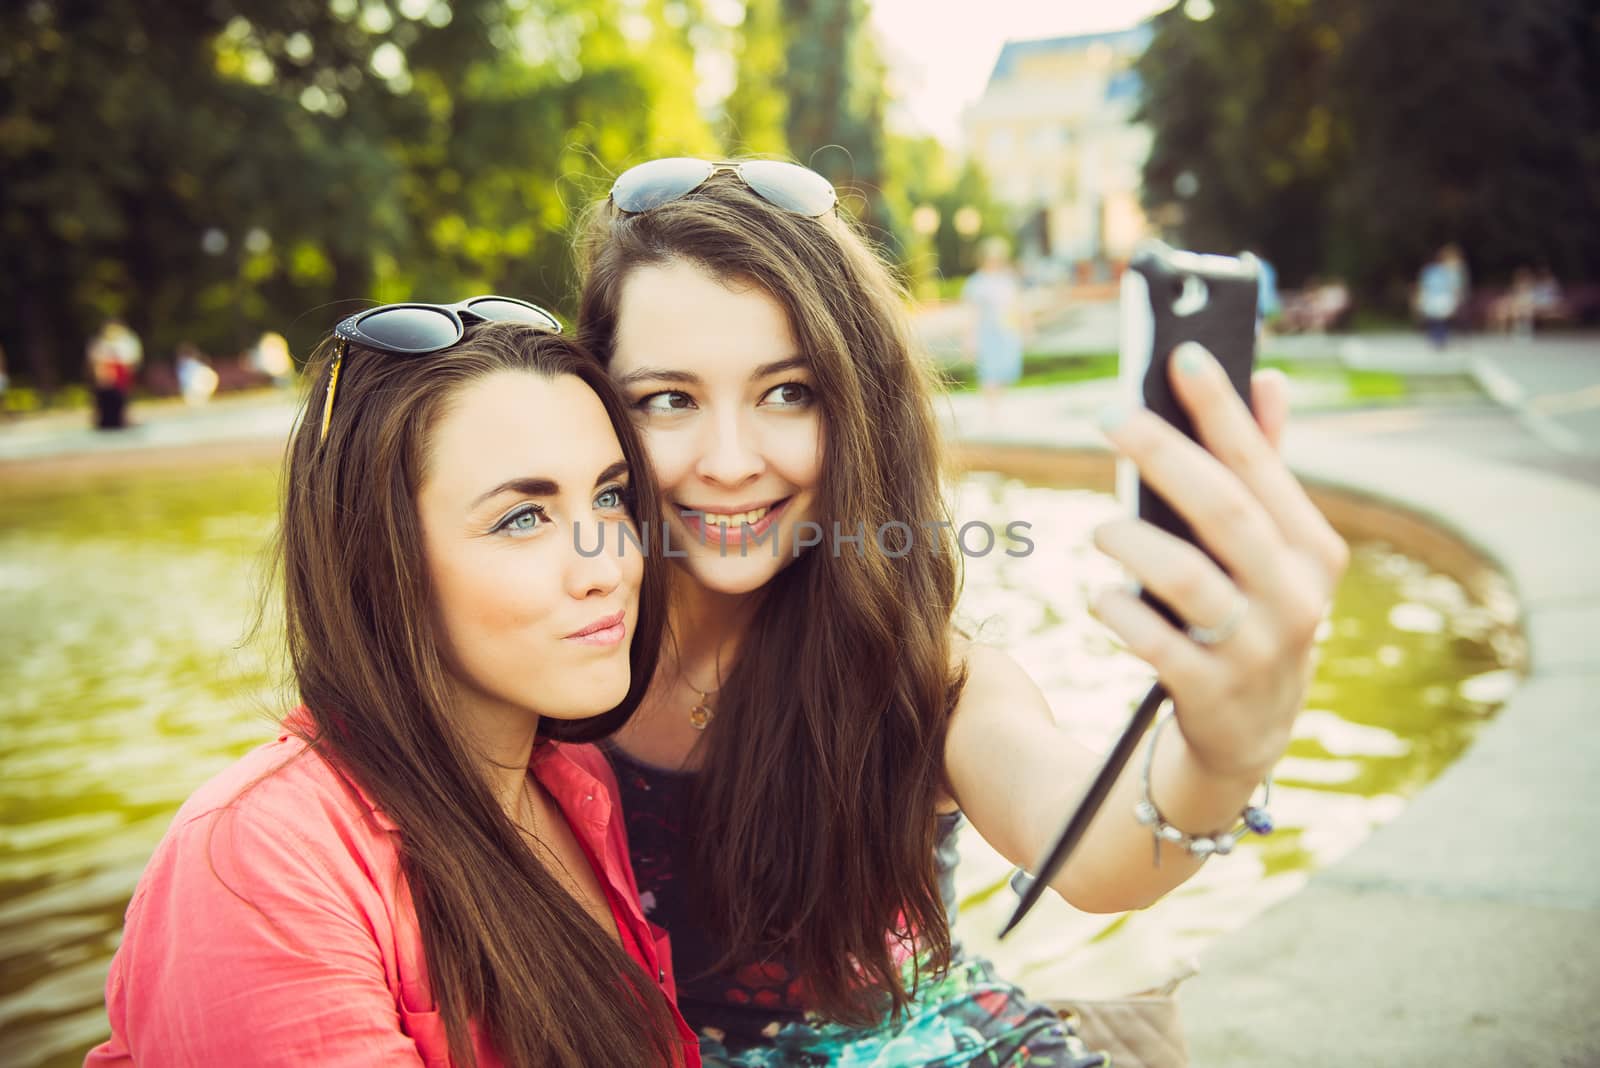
x,y
661,181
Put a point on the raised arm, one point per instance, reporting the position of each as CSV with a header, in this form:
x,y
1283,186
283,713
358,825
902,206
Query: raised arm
x,y
1017,775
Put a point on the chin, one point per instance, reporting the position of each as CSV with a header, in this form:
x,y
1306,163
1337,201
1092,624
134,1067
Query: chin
x,y
599,696
719,577
735,576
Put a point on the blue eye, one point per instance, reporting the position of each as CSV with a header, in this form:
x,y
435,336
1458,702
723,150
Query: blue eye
x,y
525,520
789,395
614,498
670,400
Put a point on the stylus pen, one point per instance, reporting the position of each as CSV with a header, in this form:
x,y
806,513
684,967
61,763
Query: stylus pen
x,y
1143,716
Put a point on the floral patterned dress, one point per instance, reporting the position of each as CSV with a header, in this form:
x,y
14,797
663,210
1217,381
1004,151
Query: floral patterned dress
x,y
754,1015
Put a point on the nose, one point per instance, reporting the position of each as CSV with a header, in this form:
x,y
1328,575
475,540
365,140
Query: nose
x,y
728,456
591,573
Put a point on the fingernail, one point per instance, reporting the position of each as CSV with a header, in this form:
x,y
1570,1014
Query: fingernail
x,y
1113,416
1190,357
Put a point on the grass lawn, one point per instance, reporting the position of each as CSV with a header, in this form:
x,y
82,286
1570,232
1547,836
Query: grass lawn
x,y
1360,387
1038,370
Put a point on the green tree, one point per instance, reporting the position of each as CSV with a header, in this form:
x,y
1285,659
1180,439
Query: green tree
x,y
755,115
1355,136
1246,139
920,173
519,143
833,80
1479,140
178,163
211,171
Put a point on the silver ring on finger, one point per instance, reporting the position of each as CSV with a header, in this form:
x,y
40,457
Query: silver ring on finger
x,y
1222,631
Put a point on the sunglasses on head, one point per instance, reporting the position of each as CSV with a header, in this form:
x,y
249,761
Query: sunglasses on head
x,y
661,181
418,329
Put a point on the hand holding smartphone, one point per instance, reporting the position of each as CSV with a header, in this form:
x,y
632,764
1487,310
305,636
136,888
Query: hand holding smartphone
x,y
1169,297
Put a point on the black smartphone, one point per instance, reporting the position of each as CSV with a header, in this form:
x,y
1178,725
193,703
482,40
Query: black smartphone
x,y
1168,297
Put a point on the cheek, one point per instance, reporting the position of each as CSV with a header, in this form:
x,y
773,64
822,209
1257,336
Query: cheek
x,y
795,451
631,566
671,454
484,596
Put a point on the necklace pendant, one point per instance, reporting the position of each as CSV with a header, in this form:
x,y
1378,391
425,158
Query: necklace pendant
x,y
700,715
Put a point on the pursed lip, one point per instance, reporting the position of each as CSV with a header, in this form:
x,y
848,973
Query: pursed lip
x,y
598,625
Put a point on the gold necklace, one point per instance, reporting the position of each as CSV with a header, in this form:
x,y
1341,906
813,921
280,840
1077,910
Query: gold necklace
x,y
700,715
704,708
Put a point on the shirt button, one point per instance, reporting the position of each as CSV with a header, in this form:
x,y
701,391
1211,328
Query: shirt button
x,y
661,975
588,797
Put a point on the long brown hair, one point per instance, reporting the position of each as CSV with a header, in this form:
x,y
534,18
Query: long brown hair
x,y
506,945
815,810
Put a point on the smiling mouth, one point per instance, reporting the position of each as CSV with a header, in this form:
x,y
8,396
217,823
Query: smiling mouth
x,y
732,526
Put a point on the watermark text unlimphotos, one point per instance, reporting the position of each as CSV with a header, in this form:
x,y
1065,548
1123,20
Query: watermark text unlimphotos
x,y
894,538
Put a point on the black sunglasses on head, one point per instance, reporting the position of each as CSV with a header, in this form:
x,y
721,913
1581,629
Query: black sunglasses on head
x,y
418,329
661,181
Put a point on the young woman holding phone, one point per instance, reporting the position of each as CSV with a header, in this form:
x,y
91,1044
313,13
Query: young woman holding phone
x,y
817,727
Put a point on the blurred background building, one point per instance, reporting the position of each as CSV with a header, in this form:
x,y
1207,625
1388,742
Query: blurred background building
x,y
1055,130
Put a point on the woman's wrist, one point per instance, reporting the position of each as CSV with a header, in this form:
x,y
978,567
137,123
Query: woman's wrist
x,y
1182,792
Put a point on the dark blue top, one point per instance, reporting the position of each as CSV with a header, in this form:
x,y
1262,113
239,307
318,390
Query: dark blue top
x,y
745,1000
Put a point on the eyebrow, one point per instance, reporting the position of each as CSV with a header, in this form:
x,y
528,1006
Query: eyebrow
x,y
547,487
689,378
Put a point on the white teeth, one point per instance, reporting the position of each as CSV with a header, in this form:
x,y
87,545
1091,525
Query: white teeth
x,y
737,519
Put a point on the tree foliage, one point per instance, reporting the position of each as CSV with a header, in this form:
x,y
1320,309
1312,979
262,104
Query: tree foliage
x,y
811,85
834,85
756,113
210,171
1356,136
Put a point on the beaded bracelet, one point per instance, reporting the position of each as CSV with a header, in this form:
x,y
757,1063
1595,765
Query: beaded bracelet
x,y
1254,819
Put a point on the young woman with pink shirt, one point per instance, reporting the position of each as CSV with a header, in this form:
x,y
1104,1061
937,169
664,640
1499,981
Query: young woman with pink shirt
x,y
428,865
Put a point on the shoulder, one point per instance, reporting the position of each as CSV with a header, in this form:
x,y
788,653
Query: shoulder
x,y
280,814
285,781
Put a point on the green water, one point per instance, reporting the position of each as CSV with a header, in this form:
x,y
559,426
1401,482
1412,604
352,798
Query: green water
x,y
124,686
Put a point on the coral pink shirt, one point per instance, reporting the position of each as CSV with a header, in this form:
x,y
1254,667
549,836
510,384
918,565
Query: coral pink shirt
x,y
323,964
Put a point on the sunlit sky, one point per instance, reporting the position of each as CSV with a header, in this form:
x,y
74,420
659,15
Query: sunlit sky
x,y
940,54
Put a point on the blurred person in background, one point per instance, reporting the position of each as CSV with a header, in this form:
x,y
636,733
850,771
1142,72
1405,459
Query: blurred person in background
x,y
1546,298
197,381
1269,305
1442,293
271,357
819,726
427,865
994,293
114,353
1513,311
